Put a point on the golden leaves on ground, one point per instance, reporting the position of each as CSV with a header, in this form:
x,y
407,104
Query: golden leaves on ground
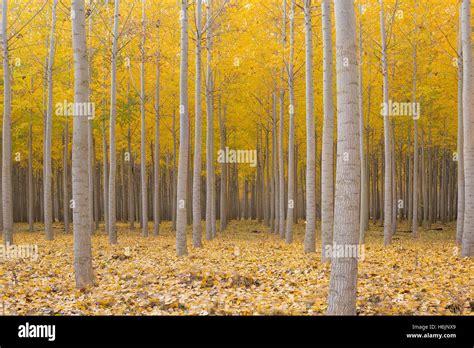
x,y
245,271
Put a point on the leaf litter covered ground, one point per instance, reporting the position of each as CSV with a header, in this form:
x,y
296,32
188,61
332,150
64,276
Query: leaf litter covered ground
x,y
245,271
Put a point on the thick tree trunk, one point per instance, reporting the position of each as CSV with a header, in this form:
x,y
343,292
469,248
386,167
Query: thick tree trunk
x,y
343,282
468,115
80,181
416,172
460,143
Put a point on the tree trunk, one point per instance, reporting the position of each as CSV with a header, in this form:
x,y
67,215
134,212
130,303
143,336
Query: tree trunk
x,y
156,179
468,231
291,132
30,177
210,203
47,180
144,208
80,181
113,112
309,239
197,229
416,172
181,248
343,281
364,202
387,142
460,143
327,156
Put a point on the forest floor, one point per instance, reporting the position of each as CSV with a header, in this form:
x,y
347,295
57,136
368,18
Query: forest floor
x,y
245,271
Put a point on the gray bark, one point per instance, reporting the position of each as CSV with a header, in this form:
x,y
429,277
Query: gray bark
x,y
327,157
80,180
468,124
197,229
181,248
144,195
113,112
291,132
309,239
343,281
48,203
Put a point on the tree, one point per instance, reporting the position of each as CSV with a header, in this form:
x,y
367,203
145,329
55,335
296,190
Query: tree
x,y
291,130
48,202
309,239
281,169
468,115
197,229
388,193
181,248
7,197
460,140
364,201
343,281
327,157
415,149
223,181
113,113
156,181
80,181
144,196
210,187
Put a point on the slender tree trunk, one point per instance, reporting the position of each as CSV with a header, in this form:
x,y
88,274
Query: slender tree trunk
x,y
144,208
343,282
113,112
90,138
387,142
197,229
48,202
66,177
80,181
364,202
223,186
210,128
181,248
7,197
309,240
156,179
30,177
327,156
291,132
